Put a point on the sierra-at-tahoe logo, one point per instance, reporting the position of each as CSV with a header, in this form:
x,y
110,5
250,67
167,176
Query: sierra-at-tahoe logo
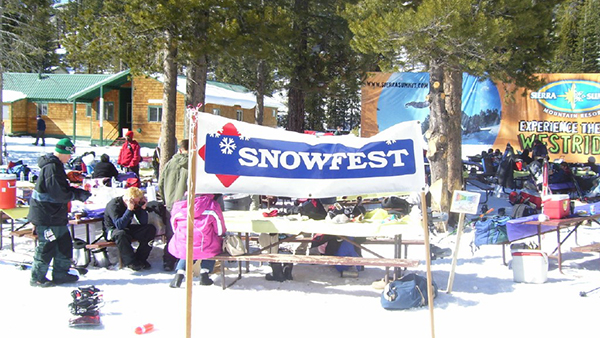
x,y
581,98
228,155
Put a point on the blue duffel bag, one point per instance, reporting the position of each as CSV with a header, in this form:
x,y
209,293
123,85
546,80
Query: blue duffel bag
x,y
491,230
407,292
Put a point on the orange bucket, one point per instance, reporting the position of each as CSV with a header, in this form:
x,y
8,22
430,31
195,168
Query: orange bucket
x,y
8,191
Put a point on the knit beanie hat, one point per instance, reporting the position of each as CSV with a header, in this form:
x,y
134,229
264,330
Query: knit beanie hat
x,y
129,134
65,146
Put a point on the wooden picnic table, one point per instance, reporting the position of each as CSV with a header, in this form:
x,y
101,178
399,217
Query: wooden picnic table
x,y
532,227
254,222
21,212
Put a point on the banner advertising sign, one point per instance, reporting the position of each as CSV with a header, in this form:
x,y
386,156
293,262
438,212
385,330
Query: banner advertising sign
x,y
564,113
238,157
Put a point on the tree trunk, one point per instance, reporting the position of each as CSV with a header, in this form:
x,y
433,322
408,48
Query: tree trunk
x,y
296,94
195,91
167,138
438,136
453,90
260,92
295,109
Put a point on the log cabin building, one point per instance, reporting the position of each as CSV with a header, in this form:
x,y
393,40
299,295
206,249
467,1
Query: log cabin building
x,y
70,104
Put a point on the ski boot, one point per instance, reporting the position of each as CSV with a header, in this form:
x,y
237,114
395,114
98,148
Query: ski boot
x,y
85,306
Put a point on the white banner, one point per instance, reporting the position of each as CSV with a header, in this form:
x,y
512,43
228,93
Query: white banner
x,y
238,157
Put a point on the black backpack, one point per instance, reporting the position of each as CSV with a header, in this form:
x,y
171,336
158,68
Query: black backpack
x,y
396,203
523,210
313,208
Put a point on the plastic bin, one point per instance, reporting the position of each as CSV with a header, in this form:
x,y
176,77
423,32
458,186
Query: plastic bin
x,y
530,266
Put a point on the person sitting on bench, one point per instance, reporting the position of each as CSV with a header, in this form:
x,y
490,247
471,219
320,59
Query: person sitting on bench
x,y
125,220
209,229
105,169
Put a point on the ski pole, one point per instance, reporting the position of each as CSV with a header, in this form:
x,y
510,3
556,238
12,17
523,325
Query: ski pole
x,y
584,293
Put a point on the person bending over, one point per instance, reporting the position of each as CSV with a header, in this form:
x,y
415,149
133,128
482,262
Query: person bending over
x,y
125,220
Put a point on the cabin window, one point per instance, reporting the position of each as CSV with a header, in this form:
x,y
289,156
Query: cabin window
x,y
274,112
216,111
88,110
42,109
109,111
240,115
154,113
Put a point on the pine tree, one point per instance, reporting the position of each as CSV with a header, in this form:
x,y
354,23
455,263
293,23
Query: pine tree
x,y
567,58
27,42
505,40
258,34
588,42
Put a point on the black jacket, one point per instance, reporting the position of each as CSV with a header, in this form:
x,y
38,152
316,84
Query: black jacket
x,y
105,169
41,125
117,216
52,193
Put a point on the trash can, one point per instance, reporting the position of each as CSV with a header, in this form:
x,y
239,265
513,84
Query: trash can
x,y
530,266
8,191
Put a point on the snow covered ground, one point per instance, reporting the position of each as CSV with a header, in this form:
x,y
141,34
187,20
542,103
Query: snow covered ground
x,y
485,302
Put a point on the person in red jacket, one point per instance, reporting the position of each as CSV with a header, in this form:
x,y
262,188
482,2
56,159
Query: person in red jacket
x,y
130,155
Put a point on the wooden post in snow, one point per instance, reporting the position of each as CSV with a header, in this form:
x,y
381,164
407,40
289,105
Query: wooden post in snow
x,y
428,261
459,231
462,202
189,266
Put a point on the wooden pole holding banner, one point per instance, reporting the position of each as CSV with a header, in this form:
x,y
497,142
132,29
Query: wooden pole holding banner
x,y
461,222
189,263
428,261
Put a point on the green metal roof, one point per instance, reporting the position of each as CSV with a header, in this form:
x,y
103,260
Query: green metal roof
x,y
51,87
112,82
229,86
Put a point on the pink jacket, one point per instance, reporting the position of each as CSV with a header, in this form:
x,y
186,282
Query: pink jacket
x,y
209,228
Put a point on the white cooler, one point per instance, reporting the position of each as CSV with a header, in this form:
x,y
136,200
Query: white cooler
x,y
530,266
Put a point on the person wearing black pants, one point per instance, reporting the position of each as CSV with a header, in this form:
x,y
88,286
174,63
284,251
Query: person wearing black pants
x,y
126,220
48,212
41,131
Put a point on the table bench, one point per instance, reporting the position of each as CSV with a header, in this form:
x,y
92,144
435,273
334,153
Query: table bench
x,y
528,226
405,242
27,233
488,189
595,247
110,244
312,259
